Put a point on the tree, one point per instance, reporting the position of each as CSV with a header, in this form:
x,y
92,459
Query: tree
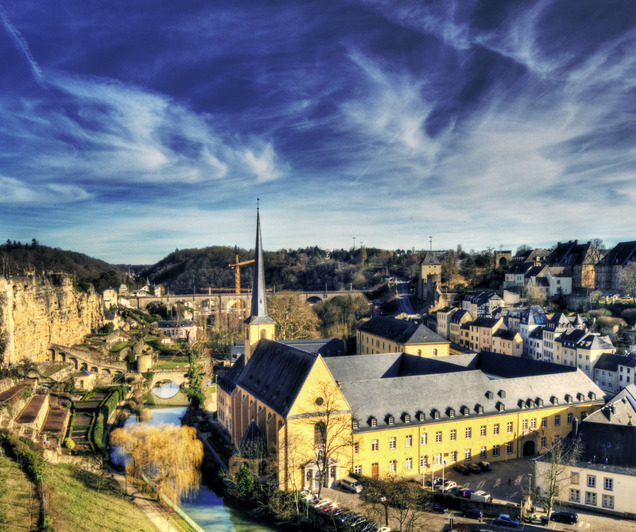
x,y
330,420
397,499
169,457
595,252
627,280
194,389
294,320
554,471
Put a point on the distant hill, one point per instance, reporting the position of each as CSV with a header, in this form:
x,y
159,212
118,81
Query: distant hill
x,y
17,258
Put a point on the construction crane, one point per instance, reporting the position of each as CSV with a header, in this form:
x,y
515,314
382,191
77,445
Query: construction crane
x,y
237,272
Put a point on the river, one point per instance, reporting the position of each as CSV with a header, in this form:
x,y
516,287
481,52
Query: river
x,y
206,508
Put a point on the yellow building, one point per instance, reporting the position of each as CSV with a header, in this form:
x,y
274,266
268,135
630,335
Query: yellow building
x,y
507,343
581,349
318,418
389,335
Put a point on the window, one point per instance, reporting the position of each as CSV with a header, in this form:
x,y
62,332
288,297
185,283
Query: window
x,y
438,436
356,447
453,434
408,464
575,495
591,481
609,484
357,469
509,448
407,418
409,440
374,422
392,466
608,501
533,424
544,422
423,461
469,433
570,418
391,420
482,431
574,477
482,452
374,445
437,459
392,443
320,430
524,425
495,429
453,457
557,420
509,427
467,455
423,439
495,450
590,498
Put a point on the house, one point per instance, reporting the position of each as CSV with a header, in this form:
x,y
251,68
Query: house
x,y
603,475
516,274
531,318
611,265
614,372
458,319
581,348
175,330
534,344
507,342
389,335
556,325
579,261
443,317
482,303
481,332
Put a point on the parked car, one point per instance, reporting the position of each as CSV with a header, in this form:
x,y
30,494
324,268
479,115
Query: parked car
x,y
565,517
370,526
462,469
485,466
506,520
340,511
359,522
350,485
449,484
438,508
474,468
321,504
473,513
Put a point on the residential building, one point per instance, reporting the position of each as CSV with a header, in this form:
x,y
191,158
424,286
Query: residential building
x,y
507,342
443,317
610,266
614,372
534,344
481,333
556,325
482,303
530,319
579,260
603,477
177,330
582,349
389,335
516,274
458,319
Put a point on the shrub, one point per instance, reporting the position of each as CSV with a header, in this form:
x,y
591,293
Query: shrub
x,y
69,443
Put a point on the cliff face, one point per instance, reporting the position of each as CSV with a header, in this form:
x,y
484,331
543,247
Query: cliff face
x,y
38,310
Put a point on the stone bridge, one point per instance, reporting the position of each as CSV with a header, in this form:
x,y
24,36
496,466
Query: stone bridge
x,y
224,303
177,375
85,359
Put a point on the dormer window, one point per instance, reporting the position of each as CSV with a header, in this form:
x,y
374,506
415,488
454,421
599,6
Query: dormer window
x,y
480,409
421,416
489,395
407,418
501,407
554,400
539,402
373,422
522,404
390,420
592,396
435,414
451,412
356,424
530,403
580,396
502,394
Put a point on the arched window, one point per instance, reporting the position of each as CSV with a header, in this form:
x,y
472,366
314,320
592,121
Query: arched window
x,y
320,433
263,334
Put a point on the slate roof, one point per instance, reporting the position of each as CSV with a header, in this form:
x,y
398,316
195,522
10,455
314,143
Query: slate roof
x,y
227,379
171,324
505,334
610,361
620,410
488,323
569,254
377,386
519,268
536,334
459,315
276,373
252,444
481,297
430,258
401,331
324,346
620,255
534,315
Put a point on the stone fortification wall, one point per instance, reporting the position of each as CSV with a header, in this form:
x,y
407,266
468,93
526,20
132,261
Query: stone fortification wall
x,y
38,310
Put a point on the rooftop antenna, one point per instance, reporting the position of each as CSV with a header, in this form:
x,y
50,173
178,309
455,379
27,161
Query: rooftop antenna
x,y
430,239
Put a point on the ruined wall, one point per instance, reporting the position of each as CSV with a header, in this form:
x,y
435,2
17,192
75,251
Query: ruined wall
x,y
38,310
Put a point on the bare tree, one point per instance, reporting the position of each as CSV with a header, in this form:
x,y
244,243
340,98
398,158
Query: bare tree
x,y
627,280
293,319
555,471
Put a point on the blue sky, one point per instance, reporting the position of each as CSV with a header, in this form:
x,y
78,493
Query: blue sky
x,y
129,129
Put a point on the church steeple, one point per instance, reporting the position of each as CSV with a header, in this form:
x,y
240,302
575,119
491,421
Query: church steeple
x,y
259,324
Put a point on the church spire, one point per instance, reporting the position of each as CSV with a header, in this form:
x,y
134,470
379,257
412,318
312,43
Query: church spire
x,y
259,325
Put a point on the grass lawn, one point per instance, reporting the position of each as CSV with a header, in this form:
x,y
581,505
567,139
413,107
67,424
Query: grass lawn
x,y
171,362
19,505
75,503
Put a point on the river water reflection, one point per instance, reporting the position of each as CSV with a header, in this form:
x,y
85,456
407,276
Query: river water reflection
x,y
206,508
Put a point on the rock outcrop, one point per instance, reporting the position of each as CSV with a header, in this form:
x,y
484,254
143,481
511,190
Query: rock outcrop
x,y
36,311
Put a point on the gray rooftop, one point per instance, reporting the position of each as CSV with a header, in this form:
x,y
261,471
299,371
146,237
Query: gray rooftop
x,y
401,331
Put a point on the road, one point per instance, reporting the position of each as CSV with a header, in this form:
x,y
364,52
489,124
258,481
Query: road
x,y
404,301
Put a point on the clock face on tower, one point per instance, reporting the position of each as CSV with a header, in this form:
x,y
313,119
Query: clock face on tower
x,y
319,401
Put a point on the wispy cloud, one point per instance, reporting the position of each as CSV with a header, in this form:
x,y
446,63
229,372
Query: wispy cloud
x,y
22,46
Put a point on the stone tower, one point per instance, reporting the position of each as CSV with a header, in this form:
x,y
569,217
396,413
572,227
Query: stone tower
x,y
259,325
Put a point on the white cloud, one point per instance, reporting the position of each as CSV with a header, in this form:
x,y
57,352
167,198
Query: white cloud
x,y
15,191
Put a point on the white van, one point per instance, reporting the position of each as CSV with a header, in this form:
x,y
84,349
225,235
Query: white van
x,y
351,485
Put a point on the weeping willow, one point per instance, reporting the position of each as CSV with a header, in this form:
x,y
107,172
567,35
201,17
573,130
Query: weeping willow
x,y
167,456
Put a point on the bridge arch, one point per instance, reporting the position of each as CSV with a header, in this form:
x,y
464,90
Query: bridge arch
x,y
312,300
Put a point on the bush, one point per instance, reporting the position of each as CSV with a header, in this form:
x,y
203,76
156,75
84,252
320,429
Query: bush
x,y
69,443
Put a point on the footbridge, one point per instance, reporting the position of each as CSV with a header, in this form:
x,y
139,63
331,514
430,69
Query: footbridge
x,y
161,376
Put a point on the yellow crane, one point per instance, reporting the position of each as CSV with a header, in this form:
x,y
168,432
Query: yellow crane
x,y
237,272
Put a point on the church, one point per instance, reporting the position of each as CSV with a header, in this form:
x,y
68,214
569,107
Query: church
x,y
320,418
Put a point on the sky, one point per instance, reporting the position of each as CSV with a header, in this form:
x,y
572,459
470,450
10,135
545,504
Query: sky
x,y
131,129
